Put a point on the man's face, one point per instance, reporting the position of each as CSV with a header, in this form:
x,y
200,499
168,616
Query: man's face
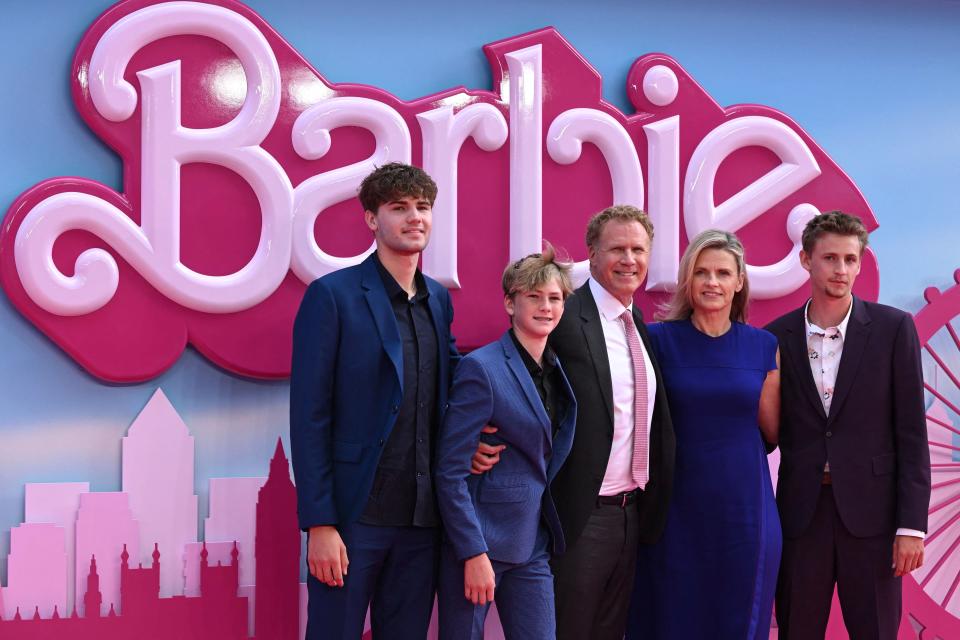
x,y
536,313
401,226
833,264
618,261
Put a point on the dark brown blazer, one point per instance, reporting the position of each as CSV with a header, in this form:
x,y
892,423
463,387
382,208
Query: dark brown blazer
x,y
578,342
875,437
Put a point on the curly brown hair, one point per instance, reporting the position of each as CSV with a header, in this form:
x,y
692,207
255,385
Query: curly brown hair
x,y
394,181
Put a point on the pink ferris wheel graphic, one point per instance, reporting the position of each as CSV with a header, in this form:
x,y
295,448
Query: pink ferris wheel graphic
x,y
932,593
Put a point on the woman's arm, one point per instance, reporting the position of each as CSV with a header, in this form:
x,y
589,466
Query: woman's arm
x,y
769,413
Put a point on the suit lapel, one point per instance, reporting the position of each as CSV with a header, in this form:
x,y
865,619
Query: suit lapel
x,y
596,344
515,364
562,440
799,359
858,333
383,317
440,327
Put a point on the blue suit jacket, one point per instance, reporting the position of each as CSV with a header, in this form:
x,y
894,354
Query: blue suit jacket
x,y
499,512
346,387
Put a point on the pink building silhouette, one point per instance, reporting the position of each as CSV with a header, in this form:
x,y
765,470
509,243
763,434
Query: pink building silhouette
x,y
218,612
58,503
233,517
215,552
36,570
278,555
158,457
105,526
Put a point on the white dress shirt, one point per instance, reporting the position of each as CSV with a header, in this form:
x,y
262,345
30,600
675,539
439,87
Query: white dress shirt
x,y
619,477
824,349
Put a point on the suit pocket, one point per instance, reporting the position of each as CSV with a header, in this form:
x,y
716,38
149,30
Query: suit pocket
x,y
885,464
346,451
508,487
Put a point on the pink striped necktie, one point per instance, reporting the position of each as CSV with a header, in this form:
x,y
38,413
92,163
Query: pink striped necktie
x,y
640,466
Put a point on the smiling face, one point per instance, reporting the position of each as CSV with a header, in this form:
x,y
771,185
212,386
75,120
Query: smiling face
x,y
716,279
619,258
834,264
401,226
535,313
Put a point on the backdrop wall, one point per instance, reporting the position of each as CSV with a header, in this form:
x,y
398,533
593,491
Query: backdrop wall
x,y
875,84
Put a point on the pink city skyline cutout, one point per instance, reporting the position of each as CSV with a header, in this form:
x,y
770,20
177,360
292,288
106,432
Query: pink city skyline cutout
x,y
239,187
107,581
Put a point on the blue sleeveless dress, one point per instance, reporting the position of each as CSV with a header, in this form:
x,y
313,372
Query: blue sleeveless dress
x,y
713,573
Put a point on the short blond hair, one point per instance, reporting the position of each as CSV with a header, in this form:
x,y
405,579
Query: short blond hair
x,y
535,270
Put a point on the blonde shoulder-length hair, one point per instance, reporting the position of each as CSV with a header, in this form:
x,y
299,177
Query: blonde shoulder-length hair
x,y
680,306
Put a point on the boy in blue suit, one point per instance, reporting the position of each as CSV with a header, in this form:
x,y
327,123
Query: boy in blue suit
x,y
372,360
499,526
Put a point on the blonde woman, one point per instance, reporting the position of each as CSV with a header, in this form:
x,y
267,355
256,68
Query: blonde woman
x,y
713,572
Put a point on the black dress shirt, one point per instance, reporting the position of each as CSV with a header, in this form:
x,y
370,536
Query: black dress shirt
x,y
547,380
402,492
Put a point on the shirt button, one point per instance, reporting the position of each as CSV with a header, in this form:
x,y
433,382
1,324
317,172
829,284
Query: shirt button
x,y
419,474
829,434
420,440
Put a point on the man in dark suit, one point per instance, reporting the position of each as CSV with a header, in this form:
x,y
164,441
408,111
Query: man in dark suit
x,y
854,482
372,362
613,491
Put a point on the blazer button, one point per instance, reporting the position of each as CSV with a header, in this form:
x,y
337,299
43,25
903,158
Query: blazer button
x,y
395,408
380,442
829,434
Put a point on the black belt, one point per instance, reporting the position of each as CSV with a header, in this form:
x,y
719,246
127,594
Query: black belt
x,y
621,499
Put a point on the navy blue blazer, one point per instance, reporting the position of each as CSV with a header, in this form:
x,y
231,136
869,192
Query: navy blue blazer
x,y
499,512
346,387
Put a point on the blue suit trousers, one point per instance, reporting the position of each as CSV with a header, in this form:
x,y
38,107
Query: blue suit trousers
x,y
393,570
524,597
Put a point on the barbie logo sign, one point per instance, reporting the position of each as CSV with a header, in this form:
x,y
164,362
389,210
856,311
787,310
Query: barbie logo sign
x,y
241,164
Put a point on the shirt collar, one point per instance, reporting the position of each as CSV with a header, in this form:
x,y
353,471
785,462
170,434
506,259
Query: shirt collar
x,y
812,328
394,290
549,358
610,308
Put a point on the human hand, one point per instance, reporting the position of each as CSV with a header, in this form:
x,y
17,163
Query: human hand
x,y
478,579
907,554
486,455
327,555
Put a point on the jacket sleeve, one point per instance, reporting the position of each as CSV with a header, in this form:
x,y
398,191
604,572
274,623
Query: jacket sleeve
x,y
910,430
312,378
452,351
471,407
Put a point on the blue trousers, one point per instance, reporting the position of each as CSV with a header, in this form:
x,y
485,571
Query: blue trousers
x,y
524,597
393,570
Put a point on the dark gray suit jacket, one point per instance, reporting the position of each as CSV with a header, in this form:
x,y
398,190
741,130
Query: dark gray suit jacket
x,y
875,437
579,343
